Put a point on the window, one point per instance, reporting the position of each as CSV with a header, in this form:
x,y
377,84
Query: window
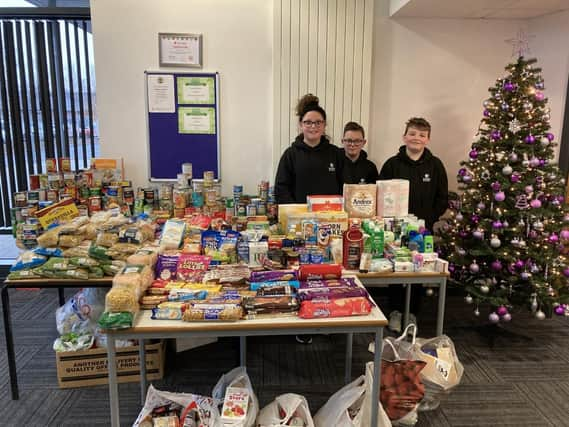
x,y
47,94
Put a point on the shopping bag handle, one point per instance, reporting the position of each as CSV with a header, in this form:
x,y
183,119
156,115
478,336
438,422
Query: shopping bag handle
x,y
395,353
403,336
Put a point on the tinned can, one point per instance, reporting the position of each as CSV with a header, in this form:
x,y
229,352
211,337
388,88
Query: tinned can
x,y
187,169
251,210
51,165
128,195
52,195
149,196
94,191
54,181
184,180
210,197
208,178
180,196
64,164
197,199
44,181
165,192
34,182
33,196
95,204
20,199
229,209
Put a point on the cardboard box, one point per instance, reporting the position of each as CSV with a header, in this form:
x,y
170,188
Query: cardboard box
x,y
318,203
89,367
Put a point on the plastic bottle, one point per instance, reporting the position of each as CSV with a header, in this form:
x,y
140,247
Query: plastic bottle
x,y
428,243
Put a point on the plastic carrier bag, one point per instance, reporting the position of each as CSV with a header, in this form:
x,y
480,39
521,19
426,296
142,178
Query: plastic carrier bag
x,y
183,406
287,409
81,312
401,386
443,370
351,405
237,378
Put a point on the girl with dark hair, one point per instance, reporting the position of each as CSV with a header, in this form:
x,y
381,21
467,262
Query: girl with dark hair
x,y
311,165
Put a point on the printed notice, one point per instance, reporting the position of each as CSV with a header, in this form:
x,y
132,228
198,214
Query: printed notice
x,y
196,120
196,90
161,93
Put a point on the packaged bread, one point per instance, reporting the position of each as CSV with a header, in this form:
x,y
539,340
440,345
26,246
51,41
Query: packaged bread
x,y
213,312
72,227
360,200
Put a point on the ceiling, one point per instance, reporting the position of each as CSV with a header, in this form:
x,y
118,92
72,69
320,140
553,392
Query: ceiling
x,y
476,9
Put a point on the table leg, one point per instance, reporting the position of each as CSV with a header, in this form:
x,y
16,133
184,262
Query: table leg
x,y
61,293
376,376
113,386
9,343
441,308
349,342
243,351
142,360
407,305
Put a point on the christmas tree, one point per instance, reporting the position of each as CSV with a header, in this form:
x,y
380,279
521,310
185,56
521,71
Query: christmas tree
x,y
508,237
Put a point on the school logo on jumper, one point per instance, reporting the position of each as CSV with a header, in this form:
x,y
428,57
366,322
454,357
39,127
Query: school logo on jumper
x,y
331,168
427,178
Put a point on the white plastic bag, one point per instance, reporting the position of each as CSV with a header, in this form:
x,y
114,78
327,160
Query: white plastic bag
x,y
205,406
284,408
355,399
237,378
81,312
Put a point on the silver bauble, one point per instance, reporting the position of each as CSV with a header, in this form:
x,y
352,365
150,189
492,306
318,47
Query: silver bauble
x,y
540,315
507,170
468,299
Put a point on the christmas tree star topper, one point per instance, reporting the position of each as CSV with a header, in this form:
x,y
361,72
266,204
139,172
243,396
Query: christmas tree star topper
x,y
520,43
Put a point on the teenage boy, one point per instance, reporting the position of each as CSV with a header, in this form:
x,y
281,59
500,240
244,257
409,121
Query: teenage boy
x,y
428,193
357,168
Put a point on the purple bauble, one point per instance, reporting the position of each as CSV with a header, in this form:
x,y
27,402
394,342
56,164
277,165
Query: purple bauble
x,y
530,139
553,238
451,268
501,310
519,264
542,162
539,96
525,275
493,318
466,178
507,317
462,171
474,268
513,157
528,189
566,271
497,224
500,196
473,154
486,113
533,234
505,107
475,218
539,85
463,234
560,310
477,234
535,203
481,206
549,136
564,234
495,135
496,186
509,86
515,177
534,162
560,199
496,265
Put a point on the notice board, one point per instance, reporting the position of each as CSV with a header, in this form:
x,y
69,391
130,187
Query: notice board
x,y
183,123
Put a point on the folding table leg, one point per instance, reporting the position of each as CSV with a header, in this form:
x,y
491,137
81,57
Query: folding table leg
x,y
9,343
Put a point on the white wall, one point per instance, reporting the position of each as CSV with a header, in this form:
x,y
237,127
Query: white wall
x,y
549,45
237,42
439,69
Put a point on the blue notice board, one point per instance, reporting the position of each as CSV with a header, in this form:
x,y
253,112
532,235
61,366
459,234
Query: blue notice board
x,y
185,130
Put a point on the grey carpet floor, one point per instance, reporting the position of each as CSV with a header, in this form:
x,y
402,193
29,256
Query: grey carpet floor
x,y
517,375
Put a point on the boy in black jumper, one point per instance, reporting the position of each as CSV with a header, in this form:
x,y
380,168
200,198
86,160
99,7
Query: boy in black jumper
x,y
357,168
428,194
